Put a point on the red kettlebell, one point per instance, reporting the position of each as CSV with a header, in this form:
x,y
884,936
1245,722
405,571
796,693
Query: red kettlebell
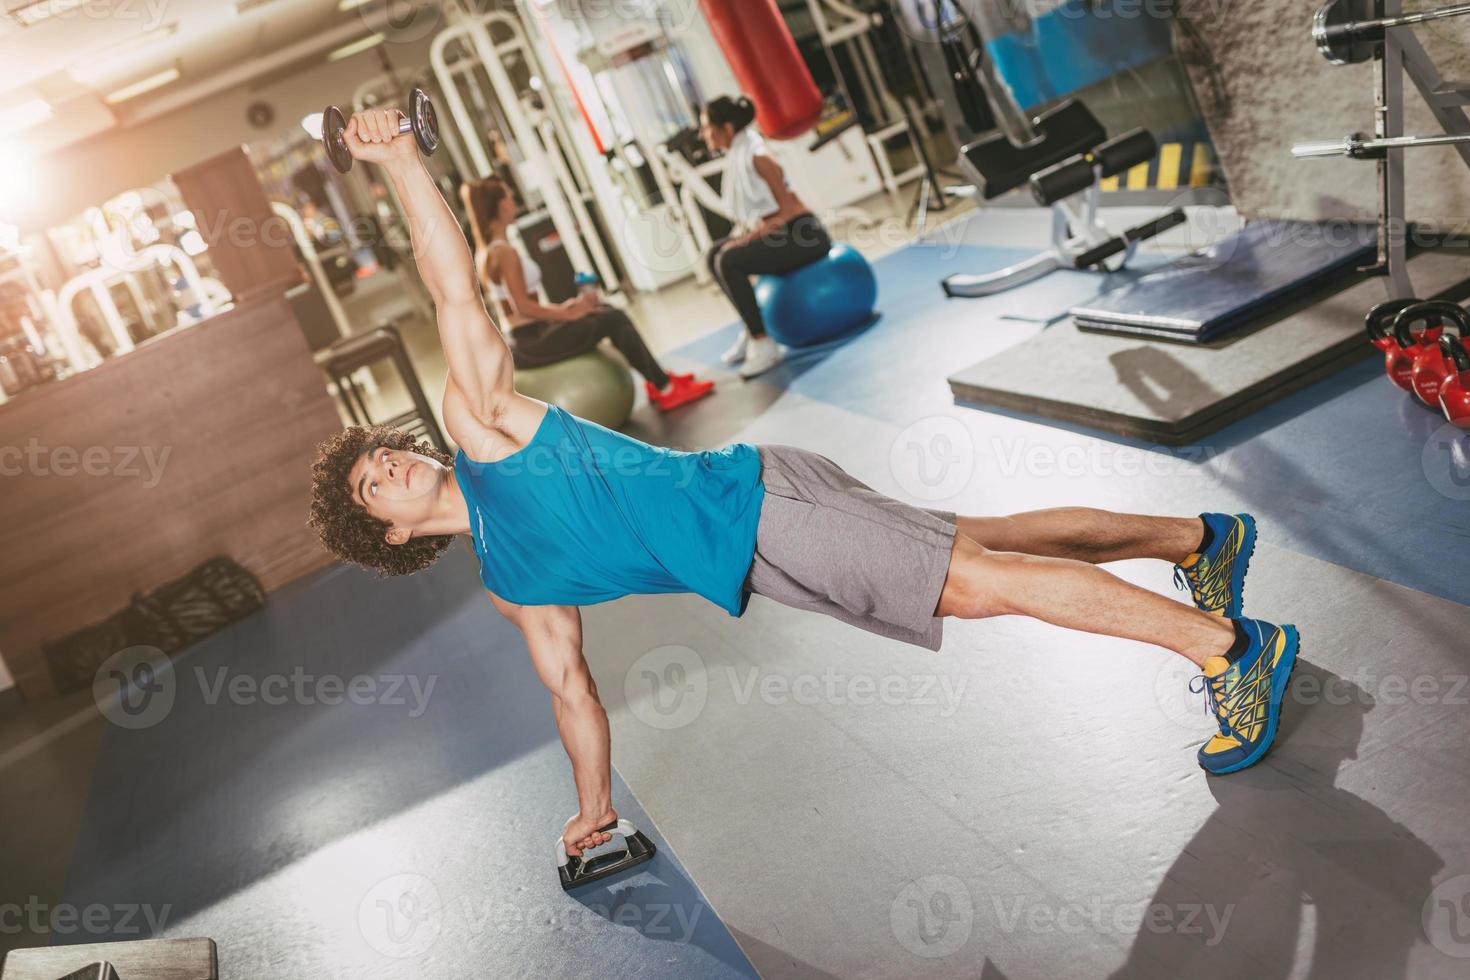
x,y
1454,393
1430,366
1380,319
1409,343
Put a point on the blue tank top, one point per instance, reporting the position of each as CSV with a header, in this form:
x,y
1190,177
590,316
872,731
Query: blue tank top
x,y
583,514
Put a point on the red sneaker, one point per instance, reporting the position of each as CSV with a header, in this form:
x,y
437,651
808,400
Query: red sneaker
x,y
683,389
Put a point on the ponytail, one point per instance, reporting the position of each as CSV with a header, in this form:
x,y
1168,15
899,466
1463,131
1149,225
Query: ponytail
x,y
482,200
747,113
736,112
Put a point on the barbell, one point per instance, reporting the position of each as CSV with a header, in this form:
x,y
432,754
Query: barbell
x,y
1361,147
1347,33
419,120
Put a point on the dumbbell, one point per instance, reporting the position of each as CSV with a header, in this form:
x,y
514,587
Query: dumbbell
x,y
420,120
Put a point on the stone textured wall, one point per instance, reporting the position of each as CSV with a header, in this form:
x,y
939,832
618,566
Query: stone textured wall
x,y
1262,86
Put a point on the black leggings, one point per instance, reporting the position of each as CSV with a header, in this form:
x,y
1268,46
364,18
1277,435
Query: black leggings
x,y
798,243
542,342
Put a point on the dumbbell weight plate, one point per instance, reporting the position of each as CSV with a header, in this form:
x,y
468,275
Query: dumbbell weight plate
x,y
424,120
334,124
1343,49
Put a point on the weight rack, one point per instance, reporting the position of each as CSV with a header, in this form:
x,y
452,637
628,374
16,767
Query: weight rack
x,y
1351,31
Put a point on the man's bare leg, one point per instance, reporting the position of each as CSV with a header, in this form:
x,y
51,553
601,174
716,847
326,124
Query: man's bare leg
x,y
1076,595
1085,534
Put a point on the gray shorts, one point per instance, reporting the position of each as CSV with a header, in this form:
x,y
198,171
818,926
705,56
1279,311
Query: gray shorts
x,y
829,544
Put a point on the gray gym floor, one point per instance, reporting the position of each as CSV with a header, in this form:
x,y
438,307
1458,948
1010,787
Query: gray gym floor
x,y
1024,803
1028,797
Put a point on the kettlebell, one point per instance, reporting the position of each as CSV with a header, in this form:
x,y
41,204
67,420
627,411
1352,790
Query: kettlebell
x,y
1380,319
1398,361
1454,393
1430,367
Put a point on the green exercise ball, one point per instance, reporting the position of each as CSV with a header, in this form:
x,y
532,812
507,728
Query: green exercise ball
x,y
593,386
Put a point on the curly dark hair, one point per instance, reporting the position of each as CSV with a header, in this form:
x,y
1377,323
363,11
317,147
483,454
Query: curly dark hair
x,y
346,528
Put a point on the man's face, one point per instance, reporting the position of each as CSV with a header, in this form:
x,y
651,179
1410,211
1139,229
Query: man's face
x,y
397,486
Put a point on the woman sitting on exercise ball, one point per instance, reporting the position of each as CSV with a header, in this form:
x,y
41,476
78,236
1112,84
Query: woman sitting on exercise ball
x,y
781,234
540,334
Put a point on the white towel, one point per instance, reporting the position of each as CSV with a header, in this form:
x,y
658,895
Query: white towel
x,y
747,196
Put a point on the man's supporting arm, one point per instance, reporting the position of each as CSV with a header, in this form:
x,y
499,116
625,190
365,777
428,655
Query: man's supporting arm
x,y
479,359
554,637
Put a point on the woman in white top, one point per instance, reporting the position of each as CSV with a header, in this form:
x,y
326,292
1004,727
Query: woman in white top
x,y
775,232
541,334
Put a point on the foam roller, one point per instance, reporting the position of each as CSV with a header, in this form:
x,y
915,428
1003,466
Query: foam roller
x,y
1062,180
1124,152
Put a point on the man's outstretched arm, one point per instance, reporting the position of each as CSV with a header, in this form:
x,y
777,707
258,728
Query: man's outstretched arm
x,y
554,637
479,359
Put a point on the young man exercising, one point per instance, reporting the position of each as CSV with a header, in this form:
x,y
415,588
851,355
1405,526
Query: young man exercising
x,y
564,513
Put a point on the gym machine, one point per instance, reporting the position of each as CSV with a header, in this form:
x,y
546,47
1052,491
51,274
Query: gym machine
x,y
1355,31
467,47
1069,155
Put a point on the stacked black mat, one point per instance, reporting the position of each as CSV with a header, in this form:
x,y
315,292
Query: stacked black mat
x,y
1224,287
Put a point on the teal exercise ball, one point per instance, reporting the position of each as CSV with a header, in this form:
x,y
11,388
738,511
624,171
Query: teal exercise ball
x,y
821,301
594,386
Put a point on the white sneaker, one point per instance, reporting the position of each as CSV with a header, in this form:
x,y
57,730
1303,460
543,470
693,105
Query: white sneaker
x,y
736,353
761,355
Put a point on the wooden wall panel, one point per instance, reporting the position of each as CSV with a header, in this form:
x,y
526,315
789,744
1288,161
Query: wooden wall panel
x,y
250,247
198,443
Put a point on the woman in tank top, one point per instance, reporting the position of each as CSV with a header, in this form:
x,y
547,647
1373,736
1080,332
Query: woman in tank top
x,y
541,333
775,232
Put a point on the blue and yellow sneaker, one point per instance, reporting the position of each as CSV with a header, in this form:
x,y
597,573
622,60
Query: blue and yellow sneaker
x,y
1215,575
1244,689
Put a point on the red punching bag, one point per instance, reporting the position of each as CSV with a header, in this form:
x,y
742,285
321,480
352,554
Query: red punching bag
x,y
767,64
